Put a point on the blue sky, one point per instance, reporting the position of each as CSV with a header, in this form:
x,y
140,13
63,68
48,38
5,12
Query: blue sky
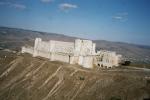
x,y
113,20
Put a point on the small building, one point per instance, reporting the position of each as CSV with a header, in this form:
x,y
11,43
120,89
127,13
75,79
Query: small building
x,y
80,52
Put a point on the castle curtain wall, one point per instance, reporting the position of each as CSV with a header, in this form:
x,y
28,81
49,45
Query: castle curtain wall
x,y
80,52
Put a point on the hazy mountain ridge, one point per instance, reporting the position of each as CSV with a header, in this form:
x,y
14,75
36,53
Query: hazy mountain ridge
x,y
14,38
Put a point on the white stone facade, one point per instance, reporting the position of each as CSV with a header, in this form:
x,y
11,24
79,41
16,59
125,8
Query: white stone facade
x,y
80,52
107,59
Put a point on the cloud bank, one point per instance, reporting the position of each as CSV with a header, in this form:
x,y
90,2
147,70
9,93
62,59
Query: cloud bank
x,y
47,1
67,6
13,5
121,16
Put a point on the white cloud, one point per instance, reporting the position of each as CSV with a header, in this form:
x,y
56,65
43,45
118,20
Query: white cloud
x,y
13,5
121,16
47,1
118,17
18,6
67,6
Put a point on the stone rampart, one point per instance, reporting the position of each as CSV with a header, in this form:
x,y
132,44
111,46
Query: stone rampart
x,y
80,52
63,47
29,50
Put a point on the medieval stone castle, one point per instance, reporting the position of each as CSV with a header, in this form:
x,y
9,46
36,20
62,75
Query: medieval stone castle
x,y
82,52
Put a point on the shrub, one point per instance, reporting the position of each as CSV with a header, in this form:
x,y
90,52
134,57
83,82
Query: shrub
x,y
81,78
115,98
126,63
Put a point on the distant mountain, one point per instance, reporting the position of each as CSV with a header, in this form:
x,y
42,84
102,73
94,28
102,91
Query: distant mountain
x,y
135,53
13,38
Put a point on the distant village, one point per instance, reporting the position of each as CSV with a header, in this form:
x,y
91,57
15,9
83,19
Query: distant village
x,y
81,52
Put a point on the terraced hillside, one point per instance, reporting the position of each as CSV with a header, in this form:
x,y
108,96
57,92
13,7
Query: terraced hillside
x,y
23,77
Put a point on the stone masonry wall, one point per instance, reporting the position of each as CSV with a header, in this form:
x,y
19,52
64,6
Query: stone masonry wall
x,y
63,47
27,50
80,52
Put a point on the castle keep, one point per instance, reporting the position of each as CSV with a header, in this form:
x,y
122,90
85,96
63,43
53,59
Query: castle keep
x,y
80,52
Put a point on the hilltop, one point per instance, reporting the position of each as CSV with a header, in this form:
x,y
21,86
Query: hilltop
x,y
13,38
23,77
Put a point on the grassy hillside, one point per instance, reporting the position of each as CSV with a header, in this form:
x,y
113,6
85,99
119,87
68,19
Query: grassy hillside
x,y
23,77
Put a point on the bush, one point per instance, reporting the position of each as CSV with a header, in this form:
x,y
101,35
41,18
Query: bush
x,y
81,78
115,98
126,63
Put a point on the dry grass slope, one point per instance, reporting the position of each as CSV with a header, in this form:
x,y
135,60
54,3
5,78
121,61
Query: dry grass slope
x,y
26,78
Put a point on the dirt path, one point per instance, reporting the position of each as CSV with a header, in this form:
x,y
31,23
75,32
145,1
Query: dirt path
x,y
50,77
36,70
57,86
12,67
27,72
73,72
137,68
79,90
